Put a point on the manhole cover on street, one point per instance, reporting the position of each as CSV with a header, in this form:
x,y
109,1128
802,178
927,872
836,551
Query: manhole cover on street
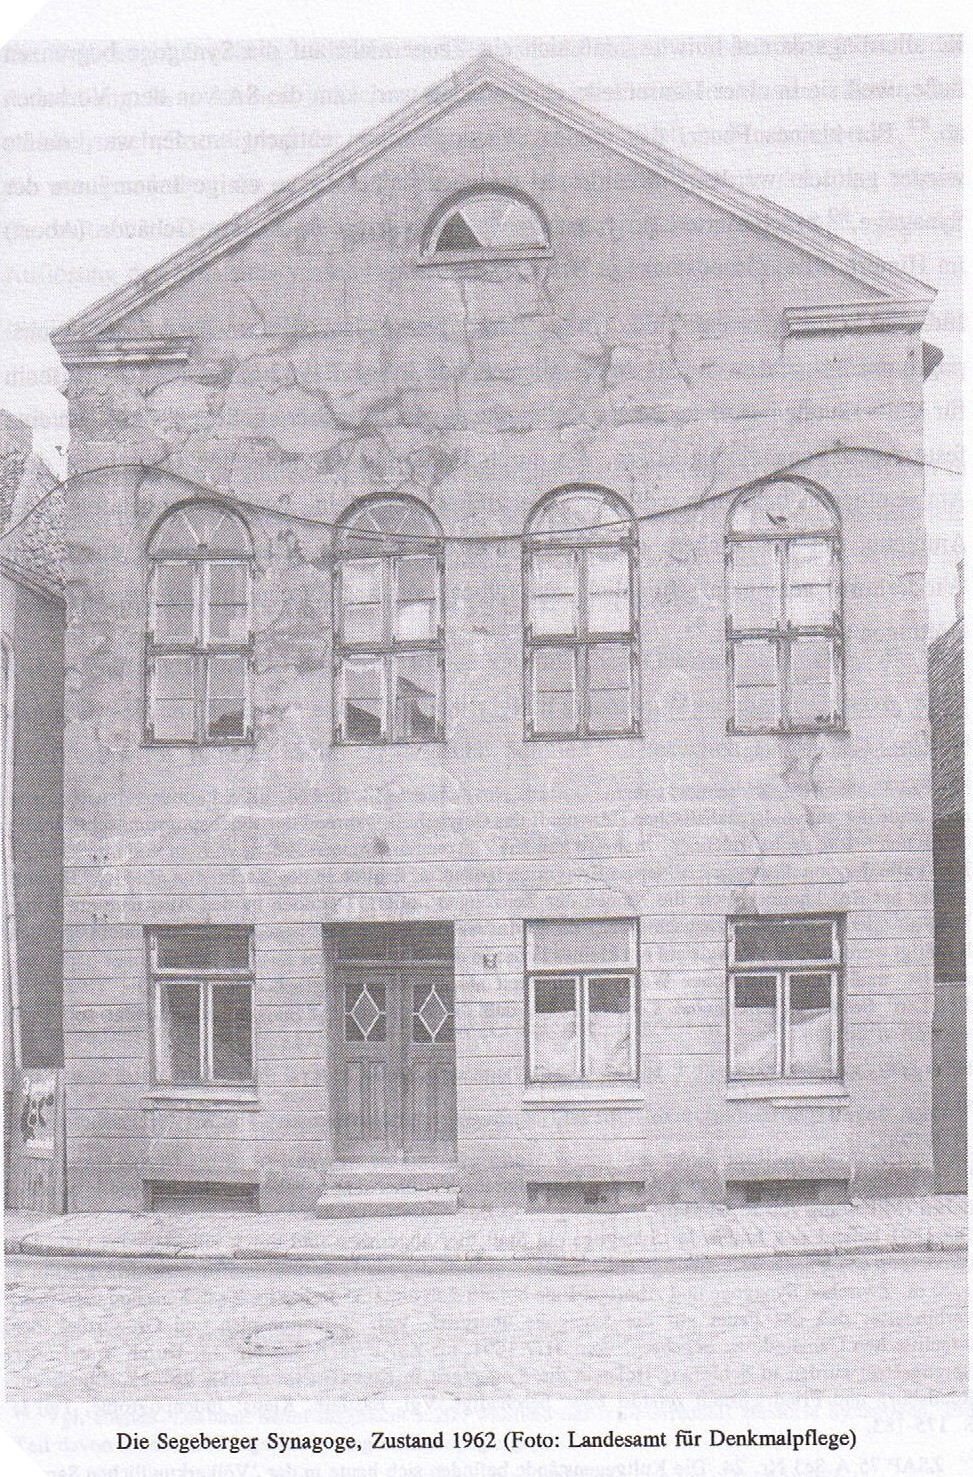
x,y
291,1338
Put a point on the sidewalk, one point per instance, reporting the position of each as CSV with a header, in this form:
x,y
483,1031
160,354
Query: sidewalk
x,y
661,1233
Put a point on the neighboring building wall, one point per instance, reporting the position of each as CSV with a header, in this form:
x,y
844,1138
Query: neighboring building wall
x,y
34,628
32,609
33,634
327,365
949,876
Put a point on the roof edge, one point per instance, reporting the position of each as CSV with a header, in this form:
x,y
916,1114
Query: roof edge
x,y
32,579
489,70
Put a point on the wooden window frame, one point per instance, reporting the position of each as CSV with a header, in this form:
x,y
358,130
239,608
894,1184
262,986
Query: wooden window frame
x,y
582,979
203,980
783,971
782,634
201,648
388,650
429,256
582,640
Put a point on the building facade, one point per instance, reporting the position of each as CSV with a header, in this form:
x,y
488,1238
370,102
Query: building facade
x,y
497,716
32,706
946,687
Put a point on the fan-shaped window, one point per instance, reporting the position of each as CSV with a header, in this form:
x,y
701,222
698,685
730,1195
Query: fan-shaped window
x,y
486,223
580,628
389,639
199,640
784,610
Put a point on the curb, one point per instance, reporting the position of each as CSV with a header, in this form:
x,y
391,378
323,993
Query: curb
x,y
246,1255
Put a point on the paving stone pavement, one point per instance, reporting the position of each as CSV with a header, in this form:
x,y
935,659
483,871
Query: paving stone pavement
x,y
660,1233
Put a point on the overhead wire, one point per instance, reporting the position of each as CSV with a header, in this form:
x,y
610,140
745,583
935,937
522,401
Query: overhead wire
x,y
292,516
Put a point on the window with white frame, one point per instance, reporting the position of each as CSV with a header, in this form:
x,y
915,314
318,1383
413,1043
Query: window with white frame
x,y
479,223
785,997
580,627
784,645
389,638
201,985
582,1000
199,642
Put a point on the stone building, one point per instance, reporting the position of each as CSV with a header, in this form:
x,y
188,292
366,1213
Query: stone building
x,y
497,719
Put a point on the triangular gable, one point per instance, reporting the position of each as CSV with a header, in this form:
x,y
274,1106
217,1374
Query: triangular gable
x,y
486,71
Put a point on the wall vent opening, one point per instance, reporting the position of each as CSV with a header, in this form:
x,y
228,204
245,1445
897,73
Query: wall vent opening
x,y
787,1192
191,1195
586,1195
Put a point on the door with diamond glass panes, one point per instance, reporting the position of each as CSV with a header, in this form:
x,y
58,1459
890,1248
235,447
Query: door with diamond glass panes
x,y
393,1041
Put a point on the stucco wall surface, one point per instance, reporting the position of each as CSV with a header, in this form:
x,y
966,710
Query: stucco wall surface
x,y
647,354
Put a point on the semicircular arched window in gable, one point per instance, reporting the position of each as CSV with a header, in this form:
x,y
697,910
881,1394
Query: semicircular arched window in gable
x,y
783,563
486,222
199,639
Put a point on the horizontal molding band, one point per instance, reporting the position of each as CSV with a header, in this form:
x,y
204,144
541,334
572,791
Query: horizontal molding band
x,y
855,317
84,352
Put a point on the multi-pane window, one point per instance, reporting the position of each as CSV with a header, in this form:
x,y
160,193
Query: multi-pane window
x,y
485,223
201,985
389,640
582,1006
580,630
200,628
785,997
784,611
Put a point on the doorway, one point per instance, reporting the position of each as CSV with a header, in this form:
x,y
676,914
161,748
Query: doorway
x,y
393,1041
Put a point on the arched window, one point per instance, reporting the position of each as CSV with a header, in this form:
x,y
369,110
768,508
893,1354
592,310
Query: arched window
x,y
389,641
485,222
580,627
199,644
783,562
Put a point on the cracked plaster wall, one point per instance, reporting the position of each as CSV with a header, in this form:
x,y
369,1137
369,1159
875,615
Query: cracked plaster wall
x,y
646,354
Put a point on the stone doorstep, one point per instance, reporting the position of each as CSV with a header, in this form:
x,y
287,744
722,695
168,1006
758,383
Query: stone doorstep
x,y
390,1176
344,1203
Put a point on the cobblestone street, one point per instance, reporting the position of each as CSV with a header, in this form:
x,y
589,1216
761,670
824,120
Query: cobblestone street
x,y
889,1325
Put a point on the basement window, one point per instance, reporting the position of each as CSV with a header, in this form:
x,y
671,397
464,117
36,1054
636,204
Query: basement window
x,y
740,1193
586,1195
192,1196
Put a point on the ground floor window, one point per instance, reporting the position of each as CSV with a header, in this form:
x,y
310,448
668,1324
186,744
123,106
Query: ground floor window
x,y
201,995
785,997
582,1000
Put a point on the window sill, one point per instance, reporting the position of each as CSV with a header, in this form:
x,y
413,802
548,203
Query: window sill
x,y
385,743
574,738
211,743
462,258
201,1097
781,1093
839,730
583,1095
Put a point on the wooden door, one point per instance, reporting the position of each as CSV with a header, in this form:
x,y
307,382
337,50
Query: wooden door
x,y
393,1043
